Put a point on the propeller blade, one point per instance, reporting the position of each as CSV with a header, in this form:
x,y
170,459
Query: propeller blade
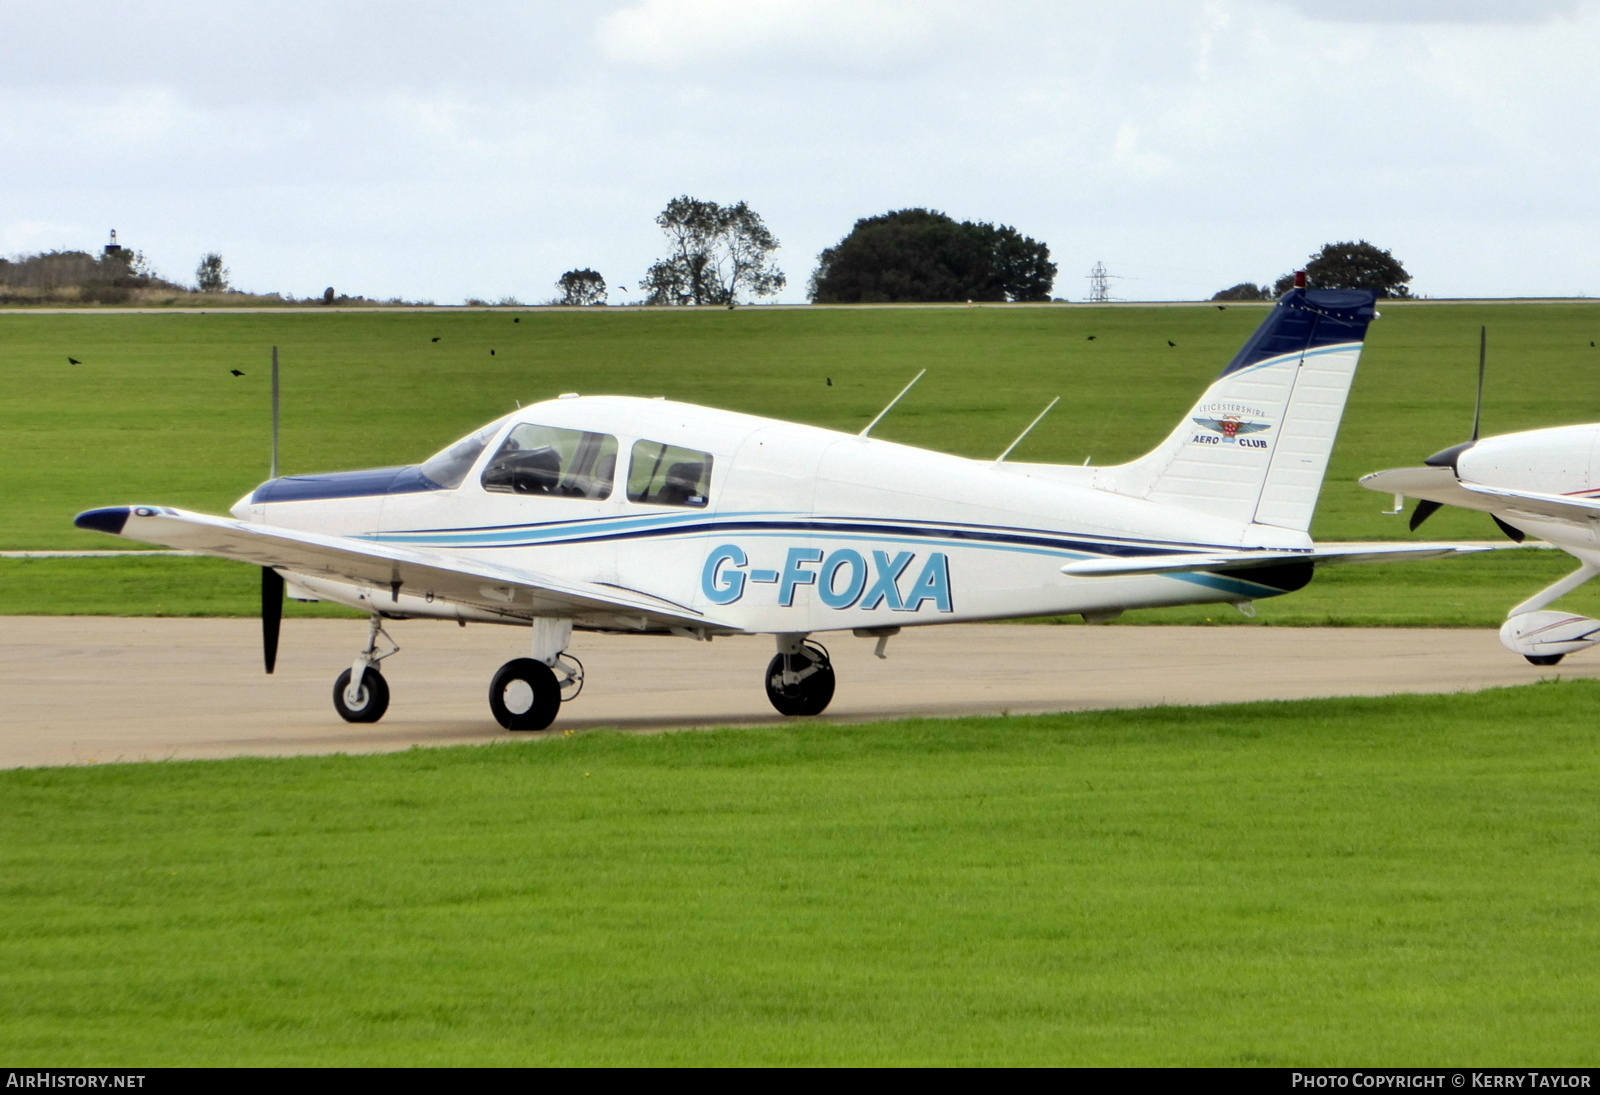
x,y
271,614
1425,509
1516,534
1483,357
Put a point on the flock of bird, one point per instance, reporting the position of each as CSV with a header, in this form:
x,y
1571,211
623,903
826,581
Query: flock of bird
x,y
518,319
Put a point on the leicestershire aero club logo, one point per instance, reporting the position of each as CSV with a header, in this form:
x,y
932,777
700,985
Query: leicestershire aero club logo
x,y
1231,426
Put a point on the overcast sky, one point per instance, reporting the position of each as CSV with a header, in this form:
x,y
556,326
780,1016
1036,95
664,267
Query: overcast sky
x,y
440,152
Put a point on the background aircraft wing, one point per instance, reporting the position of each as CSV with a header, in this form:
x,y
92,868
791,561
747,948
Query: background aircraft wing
x,y
1321,554
512,592
1441,485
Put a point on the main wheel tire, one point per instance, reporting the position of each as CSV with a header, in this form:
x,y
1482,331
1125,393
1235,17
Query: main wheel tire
x,y
372,702
809,696
524,695
1544,659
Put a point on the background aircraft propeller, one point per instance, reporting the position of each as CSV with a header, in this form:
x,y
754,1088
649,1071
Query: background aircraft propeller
x,y
271,614
1448,458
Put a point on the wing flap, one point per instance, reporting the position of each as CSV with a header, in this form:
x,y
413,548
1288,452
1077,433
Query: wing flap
x,y
511,592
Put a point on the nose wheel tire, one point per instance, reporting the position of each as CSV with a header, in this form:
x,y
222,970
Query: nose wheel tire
x,y
1544,659
371,699
524,695
811,694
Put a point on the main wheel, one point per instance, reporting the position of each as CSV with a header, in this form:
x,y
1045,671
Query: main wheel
x,y
371,700
1544,659
812,693
524,695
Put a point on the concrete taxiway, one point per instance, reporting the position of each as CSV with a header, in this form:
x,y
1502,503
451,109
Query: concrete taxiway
x,y
81,690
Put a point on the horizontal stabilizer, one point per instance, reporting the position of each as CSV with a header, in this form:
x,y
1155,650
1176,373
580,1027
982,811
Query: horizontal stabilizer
x,y
509,592
1322,554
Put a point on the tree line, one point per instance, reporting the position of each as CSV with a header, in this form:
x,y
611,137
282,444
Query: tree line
x,y
718,255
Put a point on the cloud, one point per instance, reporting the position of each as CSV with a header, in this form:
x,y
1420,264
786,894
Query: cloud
x,y
1439,11
674,35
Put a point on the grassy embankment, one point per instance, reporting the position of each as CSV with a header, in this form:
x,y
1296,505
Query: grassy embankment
x,y
1401,881
153,414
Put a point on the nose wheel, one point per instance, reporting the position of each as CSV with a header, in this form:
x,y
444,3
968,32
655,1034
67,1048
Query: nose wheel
x,y
364,703
800,677
361,694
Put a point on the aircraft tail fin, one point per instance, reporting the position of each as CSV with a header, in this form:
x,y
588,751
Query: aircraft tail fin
x,y
1256,445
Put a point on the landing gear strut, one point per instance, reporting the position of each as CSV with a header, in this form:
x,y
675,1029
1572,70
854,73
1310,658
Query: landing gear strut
x,y
527,693
361,694
800,677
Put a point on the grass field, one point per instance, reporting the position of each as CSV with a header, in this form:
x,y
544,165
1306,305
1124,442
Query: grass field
x,y
1366,881
153,413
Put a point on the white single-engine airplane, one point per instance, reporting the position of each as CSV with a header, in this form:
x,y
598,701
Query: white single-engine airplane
x,y
617,514
1542,483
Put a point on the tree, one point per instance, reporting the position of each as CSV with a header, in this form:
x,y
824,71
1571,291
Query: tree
x,y
717,253
211,276
1358,265
1246,290
582,287
924,255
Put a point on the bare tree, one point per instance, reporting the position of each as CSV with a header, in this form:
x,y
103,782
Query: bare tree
x,y
717,253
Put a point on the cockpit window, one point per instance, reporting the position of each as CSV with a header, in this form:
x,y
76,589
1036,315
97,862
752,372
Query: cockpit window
x,y
548,460
665,475
449,467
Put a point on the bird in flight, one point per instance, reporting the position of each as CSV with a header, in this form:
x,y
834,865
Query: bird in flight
x,y
235,372
75,361
1171,343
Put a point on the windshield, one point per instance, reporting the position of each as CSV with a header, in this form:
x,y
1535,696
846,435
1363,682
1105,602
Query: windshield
x,y
449,467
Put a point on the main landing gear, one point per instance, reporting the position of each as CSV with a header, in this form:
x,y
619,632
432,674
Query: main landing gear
x,y
800,677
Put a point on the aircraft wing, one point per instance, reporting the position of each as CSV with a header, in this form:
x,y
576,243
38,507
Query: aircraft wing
x,y
511,592
1321,555
1441,485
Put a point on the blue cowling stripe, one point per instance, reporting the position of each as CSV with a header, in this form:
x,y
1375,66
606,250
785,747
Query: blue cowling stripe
x,y
1305,320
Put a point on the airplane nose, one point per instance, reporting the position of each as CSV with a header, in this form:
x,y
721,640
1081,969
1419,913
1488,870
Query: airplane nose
x,y
1447,458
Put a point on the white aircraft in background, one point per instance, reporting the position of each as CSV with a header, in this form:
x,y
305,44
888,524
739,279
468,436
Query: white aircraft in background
x,y
615,514
1542,483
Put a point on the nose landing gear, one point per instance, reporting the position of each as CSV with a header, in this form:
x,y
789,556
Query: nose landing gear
x,y
800,677
361,694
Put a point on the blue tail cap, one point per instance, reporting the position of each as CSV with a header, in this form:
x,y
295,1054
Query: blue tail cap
x,y
1306,319
103,520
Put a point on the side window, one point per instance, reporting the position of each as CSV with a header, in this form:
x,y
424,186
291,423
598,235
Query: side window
x,y
665,475
551,461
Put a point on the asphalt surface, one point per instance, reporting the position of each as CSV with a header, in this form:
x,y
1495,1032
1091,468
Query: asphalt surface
x,y
83,690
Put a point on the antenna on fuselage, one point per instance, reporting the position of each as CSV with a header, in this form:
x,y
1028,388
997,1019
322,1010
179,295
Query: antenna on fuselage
x,y
273,474
892,402
1001,458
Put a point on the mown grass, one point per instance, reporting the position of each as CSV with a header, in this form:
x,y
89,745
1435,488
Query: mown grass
x,y
1407,880
153,413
